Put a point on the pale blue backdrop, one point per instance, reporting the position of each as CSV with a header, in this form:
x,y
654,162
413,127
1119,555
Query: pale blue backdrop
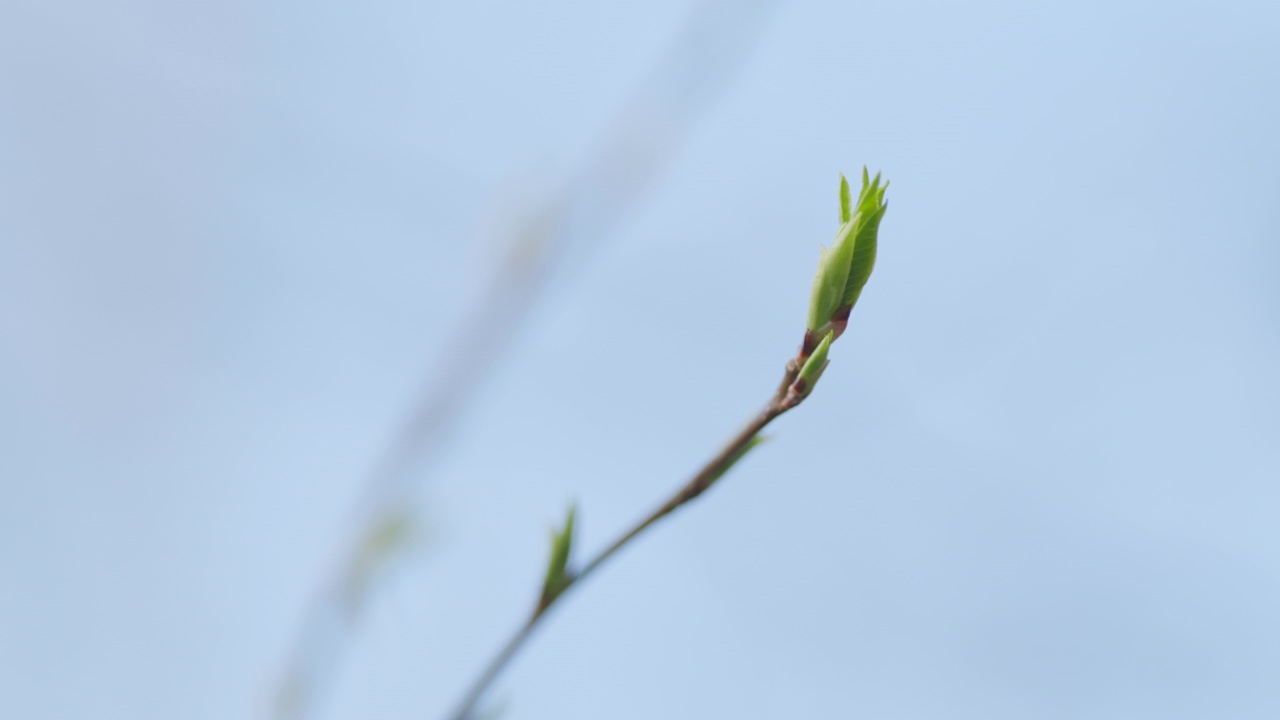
x,y
1041,478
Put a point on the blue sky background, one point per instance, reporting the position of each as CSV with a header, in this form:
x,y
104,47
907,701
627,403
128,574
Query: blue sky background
x,y
1041,478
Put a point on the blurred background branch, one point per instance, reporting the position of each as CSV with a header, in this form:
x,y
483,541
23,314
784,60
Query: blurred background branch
x,y
622,166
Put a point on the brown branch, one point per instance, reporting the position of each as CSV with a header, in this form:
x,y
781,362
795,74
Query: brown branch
x,y
785,398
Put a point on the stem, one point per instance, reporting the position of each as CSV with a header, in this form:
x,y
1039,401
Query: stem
x,y
496,665
783,400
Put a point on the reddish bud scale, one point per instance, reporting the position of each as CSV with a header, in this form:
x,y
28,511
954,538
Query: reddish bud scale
x,y
838,323
840,319
807,347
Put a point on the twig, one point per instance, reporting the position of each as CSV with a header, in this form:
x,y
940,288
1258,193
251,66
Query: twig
x,y
787,396
843,270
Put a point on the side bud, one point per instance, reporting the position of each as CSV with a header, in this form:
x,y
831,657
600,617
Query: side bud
x,y
558,573
810,372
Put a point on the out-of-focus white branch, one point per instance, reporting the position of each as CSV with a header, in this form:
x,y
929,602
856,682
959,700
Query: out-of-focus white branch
x,y
627,160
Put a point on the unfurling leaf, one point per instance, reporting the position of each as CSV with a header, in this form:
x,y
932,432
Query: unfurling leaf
x,y
558,573
829,282
846,207
870,210
813,367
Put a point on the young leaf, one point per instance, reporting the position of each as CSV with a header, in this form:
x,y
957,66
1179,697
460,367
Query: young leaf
x,y
814,366
846,210
870,210
558,574
833,275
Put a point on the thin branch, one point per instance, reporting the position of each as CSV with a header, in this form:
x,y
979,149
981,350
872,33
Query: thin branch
x,y
843,270
785,398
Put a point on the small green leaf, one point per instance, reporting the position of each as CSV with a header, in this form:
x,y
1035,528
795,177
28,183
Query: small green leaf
x,y
558,574
846,204
814,366
387,538
832,277
867,215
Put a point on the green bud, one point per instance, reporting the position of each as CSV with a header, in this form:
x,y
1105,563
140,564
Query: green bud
x,y
814,366
831,278
379,547
558,574
846,206
844,268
